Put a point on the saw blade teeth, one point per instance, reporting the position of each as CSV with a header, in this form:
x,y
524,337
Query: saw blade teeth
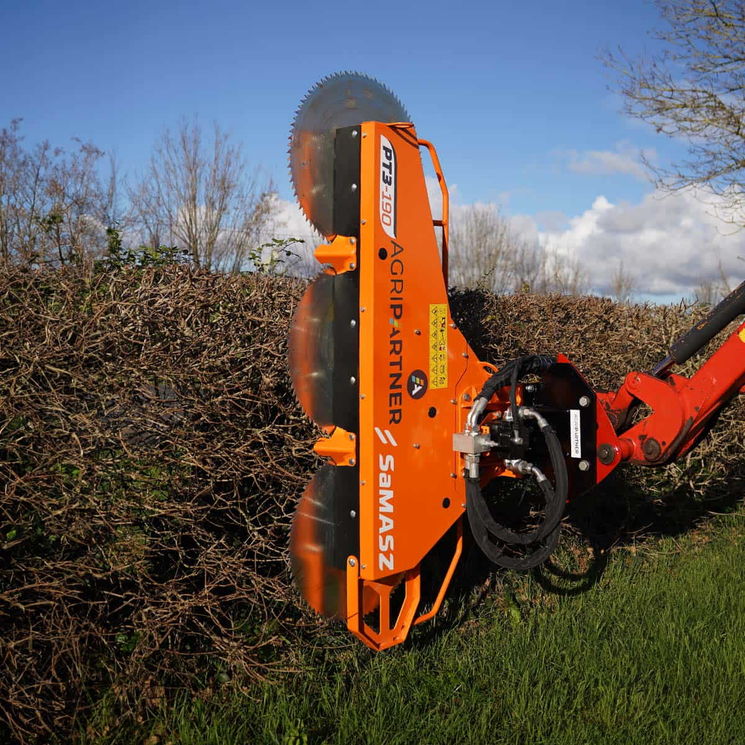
x,y
326,107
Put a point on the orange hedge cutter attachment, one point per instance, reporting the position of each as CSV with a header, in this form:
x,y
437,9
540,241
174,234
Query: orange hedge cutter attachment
x,y
419,431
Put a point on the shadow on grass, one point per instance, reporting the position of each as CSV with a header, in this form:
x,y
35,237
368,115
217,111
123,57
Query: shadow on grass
x,y
620,512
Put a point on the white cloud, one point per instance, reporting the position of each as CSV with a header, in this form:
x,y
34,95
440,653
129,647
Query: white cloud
x,y
668,243
624,159
289,222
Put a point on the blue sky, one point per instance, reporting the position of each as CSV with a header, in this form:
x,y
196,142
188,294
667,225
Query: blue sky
x,y
512,94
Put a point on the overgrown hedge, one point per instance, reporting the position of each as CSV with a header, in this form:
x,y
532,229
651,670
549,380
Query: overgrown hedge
x,y
151,453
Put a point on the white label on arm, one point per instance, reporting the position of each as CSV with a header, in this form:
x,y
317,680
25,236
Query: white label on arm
x,y
574,434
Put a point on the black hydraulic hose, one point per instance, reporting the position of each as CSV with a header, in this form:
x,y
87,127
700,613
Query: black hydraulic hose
x,y
532,363
718,317
541,541
494,552
555,500
513,402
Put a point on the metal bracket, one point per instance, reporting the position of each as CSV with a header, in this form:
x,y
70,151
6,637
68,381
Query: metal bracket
x,y
341,254
340,448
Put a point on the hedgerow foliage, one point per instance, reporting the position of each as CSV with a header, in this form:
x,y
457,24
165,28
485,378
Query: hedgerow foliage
x,y
151,453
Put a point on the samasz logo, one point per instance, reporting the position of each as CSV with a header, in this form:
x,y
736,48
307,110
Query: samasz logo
x,y
387,186
386,505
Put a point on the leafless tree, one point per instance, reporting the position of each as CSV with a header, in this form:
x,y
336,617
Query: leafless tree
x,y
694,90
51,201
711,291
622,284
200,195
486,253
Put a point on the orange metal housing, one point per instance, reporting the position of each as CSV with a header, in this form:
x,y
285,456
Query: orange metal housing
x,y
414,369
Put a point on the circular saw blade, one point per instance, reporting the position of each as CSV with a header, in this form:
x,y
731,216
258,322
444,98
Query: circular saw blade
x,y
311,351
312,539
339,100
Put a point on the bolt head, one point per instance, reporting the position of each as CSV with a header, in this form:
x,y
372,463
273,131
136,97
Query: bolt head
x,y
352,563
606,454
584,465
584,401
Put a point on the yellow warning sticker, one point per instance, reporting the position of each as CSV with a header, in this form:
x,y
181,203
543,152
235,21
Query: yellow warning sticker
x,y
438,345
741,335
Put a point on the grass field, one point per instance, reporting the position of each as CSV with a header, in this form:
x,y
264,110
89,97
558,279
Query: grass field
x,y
654,652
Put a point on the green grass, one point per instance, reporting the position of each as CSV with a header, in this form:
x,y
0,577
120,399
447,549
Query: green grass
x,y
653,653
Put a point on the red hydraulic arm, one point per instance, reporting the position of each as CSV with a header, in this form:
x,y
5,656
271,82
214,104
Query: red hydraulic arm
x,y
682,408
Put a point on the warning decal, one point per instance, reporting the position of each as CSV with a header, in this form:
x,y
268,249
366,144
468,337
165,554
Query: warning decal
x,y
438,345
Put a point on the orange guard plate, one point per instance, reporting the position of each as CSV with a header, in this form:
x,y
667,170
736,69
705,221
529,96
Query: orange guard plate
x,y
414,365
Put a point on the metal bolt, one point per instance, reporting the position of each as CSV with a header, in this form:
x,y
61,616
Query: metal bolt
x,y
584,401
364,134
453,401
354,187
351,436
352,513
353,380
584,465
362,483
416,445
354,133
352,563
353,240
453,475
362,395
452,325
464,354
606,454
362,309
466,396
363,222
353,323
418,332
651,449
351,461
352,265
